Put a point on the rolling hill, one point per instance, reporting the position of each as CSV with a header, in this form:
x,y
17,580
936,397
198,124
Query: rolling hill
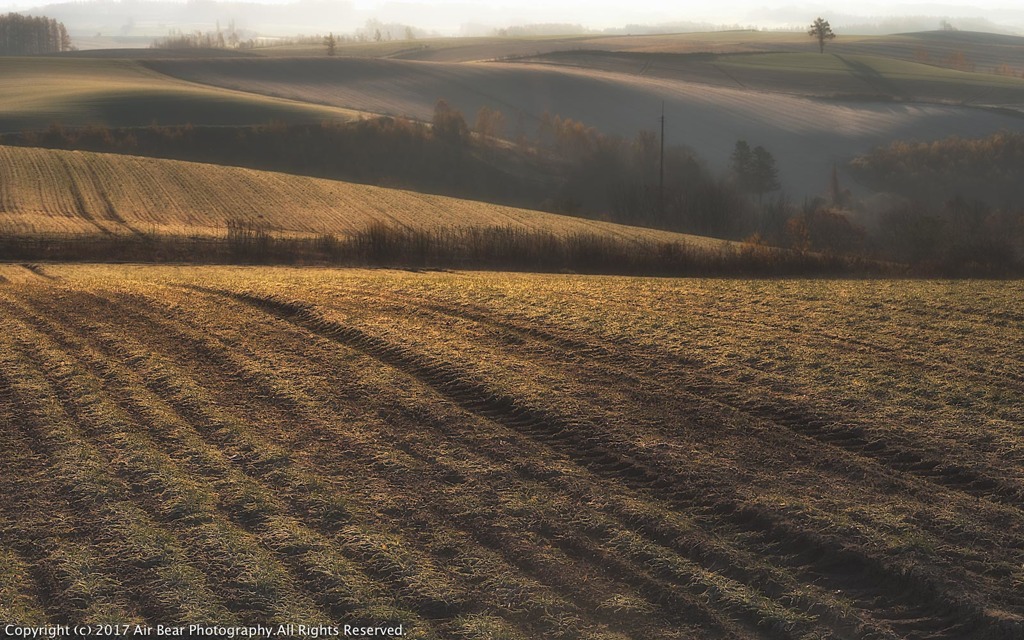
x,y
73,192
806,134
811,111
939,48
38,92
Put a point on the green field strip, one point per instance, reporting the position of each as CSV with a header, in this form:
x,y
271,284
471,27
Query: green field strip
x,y
42,91
883,68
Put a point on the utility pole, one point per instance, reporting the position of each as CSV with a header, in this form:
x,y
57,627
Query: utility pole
x,y
661,168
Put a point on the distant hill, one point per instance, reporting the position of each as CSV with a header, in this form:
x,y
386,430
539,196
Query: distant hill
x,y
806,134
40,91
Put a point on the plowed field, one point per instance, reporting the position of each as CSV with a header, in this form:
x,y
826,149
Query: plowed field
x,y
45,191
512,456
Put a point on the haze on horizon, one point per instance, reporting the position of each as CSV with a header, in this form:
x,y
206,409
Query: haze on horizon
x,y
461,17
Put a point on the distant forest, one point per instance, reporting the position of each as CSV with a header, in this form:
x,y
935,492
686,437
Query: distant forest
x,y
987,169
31,35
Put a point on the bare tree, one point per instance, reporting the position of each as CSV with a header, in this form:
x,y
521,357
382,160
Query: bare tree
x,y
821,30
449,125
490,123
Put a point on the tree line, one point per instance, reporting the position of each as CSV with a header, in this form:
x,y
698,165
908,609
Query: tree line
x,y
986,169
32,35
217,39
563,166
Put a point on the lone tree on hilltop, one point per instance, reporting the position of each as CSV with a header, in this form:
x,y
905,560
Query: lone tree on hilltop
x,y
821,30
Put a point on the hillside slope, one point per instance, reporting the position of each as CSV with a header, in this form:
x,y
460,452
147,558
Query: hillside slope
x,y
51,191
806,135
38,92
986,51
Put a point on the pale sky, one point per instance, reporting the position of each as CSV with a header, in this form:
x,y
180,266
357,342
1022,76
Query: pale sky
x,y
617,13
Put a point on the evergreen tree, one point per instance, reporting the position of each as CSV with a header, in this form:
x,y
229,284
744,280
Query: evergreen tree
x,y
764,174
742,164
27,35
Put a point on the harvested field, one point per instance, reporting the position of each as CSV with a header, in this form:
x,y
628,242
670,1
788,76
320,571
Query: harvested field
x,y
45,191
497,456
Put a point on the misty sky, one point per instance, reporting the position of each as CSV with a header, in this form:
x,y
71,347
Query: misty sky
x,y
616,13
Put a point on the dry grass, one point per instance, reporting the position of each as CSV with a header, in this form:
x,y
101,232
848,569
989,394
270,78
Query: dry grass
x,y
508,456
70,192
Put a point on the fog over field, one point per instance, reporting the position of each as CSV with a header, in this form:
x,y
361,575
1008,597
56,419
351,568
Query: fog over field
x,y
806,135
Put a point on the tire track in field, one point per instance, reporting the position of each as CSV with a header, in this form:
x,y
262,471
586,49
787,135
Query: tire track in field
x,y
616,374
145,486
21,596
697,553
240,518
99,517
613,374
558,538
444,516
825,560
20,472
81,205
432,463
899,457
